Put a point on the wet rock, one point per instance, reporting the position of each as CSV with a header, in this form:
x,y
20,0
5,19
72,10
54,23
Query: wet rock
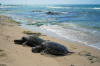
x,y
53,13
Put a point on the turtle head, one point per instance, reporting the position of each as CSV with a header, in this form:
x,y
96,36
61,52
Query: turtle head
x,y
18,41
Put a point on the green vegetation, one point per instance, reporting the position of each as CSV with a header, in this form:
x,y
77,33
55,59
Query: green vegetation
x,y
31,33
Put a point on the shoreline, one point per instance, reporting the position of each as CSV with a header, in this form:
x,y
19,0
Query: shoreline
x,y
53,34
56,35
17,55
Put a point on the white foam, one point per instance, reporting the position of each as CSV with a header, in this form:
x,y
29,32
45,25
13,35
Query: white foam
x,y
96,8
93,8
97,45
72,35
58,7
71,7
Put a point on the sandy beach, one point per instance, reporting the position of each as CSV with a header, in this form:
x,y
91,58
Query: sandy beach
x,y
17,55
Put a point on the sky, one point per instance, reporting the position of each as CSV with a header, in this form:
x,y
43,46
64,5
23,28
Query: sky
x,y
32,2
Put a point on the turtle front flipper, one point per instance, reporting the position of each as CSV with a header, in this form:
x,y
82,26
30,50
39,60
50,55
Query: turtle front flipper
x,y
44,52
37,49
25,43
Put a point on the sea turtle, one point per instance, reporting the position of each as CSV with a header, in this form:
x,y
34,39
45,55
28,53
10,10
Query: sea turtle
x,y
31,40
51,48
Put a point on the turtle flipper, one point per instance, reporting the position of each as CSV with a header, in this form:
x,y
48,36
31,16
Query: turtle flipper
x,y
37,49
34,50
44,52
25,43
70,52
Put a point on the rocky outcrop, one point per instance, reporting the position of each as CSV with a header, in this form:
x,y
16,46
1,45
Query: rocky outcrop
x,y
53,13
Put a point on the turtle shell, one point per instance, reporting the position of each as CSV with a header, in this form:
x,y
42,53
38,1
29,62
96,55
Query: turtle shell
x,y
33,39
55,48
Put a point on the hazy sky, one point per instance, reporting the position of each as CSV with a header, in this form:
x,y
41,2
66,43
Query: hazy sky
x,y
50,2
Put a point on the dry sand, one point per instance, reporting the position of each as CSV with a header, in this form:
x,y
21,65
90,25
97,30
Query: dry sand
x,y
17,55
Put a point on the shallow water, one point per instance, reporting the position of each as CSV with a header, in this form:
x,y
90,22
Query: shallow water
x,y
79,23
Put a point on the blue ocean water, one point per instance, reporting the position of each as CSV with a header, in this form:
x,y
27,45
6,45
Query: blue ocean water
x,y
77,23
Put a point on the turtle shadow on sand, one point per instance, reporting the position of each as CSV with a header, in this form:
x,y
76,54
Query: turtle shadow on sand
x,y
44,47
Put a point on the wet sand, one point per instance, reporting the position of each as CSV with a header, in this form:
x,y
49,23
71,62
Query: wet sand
x,y
17,55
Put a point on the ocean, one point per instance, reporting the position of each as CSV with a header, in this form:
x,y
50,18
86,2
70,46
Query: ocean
x,y
75,23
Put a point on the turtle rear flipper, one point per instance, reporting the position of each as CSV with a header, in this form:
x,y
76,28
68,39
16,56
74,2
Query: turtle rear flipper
x,y
69,53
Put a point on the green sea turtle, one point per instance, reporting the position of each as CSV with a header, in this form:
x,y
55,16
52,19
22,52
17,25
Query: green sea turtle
x,y
31,40
51,48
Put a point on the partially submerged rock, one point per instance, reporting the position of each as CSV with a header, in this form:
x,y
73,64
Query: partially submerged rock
x,y
53,13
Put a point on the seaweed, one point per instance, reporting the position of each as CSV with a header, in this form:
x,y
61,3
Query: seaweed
x,y
31,33
37,24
